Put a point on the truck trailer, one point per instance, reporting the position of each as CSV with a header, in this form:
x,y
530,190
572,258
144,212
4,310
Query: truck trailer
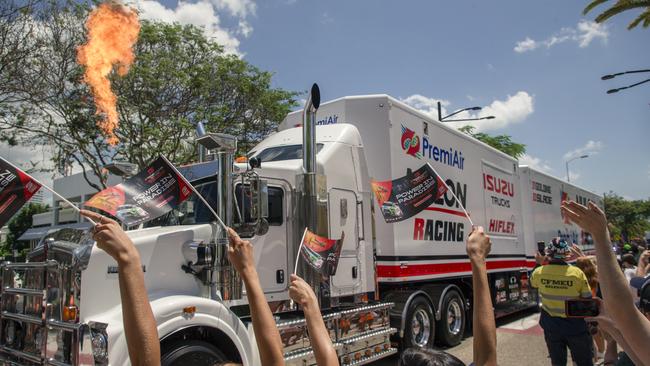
x,y
397,285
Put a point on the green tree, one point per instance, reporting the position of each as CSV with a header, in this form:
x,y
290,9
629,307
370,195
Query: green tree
x,y
19,224
628,219
179,78
502,143
621,6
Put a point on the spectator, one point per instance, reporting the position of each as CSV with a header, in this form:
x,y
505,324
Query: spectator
x,y
629,265
485,334
302,294
588,267
634,327
556,283
269,343
643,266
139,324
428,357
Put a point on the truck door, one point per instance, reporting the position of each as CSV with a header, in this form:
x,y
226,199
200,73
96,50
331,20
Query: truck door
x,y
270,250
344,214
502,208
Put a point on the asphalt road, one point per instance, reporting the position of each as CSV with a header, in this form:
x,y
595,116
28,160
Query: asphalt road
x,y
520,341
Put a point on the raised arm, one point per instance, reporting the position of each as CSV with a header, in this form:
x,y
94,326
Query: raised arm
x,y
139,324
485,333
634,327
269,343
324,351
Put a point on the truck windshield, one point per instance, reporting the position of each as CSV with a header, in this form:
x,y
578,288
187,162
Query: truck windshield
x,y
286,152
193,210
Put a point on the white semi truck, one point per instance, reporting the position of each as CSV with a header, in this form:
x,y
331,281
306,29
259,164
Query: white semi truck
x,y
402,284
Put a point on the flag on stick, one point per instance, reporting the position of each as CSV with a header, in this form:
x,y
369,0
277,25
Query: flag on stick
x,y
16,188
151,193
321,253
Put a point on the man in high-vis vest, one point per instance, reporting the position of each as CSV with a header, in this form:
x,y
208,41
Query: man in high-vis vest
x,y
557,282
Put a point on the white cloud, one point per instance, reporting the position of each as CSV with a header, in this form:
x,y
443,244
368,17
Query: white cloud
x,y
590,148
583,34
238,8
535,163
515,109
204,14
526,45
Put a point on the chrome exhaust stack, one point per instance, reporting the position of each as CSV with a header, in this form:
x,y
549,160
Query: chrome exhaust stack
x,y
309,157
225,282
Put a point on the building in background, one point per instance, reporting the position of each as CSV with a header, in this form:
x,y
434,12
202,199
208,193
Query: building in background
x,y
75,189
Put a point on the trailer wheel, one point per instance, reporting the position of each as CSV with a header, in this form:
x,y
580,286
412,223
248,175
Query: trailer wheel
x,y
420,324
192,352
451,325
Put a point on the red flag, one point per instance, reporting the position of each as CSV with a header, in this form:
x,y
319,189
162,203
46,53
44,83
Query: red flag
x,y
16,188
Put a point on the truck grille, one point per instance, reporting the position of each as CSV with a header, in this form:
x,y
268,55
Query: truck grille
x,y
32,330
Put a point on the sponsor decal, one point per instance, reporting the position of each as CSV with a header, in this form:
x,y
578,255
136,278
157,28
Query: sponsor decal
x,y
149,194
501,226
411,143
498,185
321,253
407,196
500,201
16,188
329,120
542,193
438,230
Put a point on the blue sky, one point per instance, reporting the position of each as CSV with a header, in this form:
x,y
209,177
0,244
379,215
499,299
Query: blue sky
x,y
535,65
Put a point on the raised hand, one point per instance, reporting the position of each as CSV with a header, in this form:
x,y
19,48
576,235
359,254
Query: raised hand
x,y
111,238
590,218
301,292
478,244
240,253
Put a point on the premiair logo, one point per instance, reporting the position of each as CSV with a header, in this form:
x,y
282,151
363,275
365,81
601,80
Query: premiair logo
x,y
411,142
424,148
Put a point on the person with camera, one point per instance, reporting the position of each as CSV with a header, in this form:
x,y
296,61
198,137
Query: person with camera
x,y
557,282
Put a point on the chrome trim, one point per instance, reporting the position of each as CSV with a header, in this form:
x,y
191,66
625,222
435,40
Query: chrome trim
x,y
383,305
22,318
372,333
375,357
20,354
22,291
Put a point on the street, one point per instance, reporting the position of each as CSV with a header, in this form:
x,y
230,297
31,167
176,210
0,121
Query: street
x,y
520,341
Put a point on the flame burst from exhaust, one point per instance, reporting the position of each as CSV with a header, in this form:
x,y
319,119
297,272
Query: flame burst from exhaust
x,y
112,31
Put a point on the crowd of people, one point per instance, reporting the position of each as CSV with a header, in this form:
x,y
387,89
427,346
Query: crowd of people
x,y
620,290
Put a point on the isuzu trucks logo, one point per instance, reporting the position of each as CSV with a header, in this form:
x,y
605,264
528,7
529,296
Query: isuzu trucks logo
x,y
411,142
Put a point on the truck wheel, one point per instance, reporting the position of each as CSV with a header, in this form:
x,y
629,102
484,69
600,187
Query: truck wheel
x,y
420,325
193,352
451,325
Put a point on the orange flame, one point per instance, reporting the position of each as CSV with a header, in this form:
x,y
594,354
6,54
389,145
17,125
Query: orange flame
x,y
112,31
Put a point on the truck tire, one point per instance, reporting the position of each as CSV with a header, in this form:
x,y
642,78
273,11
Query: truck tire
x,y
192,352
420,324
451,326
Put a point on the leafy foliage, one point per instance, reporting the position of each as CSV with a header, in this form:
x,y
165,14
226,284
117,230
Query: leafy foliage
x,y
502,143
179,78
19,224
621,6
628,219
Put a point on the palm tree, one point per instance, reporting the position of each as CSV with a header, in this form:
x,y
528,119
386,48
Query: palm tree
x,y
621,6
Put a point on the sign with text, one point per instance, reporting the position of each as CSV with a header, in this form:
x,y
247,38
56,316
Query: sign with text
x,y
321,253
407,196
151,193
16,188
